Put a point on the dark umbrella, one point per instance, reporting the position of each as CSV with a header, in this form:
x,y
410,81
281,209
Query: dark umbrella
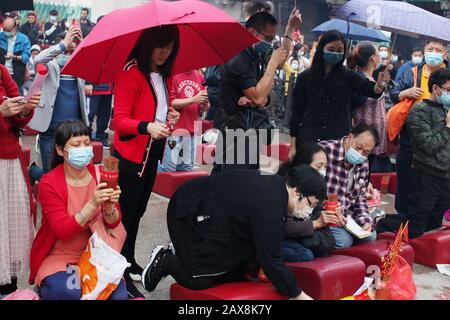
x,y
16,5
356,32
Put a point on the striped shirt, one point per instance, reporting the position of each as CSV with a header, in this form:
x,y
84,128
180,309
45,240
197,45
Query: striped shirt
x,y
354,202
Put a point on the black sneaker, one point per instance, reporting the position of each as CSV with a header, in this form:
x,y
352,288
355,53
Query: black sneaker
x,y
133,292
153,272
135,272
105,143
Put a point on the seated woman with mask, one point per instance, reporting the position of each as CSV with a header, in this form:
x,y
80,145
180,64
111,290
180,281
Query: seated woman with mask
x,y
74,206
307,232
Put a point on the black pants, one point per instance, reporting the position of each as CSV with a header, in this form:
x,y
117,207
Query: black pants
x,y
179,266
430,200
405,180
133,201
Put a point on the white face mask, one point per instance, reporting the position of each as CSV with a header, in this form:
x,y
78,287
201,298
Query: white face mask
x,y
304,213
53,18
294,65
323,172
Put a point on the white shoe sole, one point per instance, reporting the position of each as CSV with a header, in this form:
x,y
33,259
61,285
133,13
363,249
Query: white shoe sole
x,y
135,277
152,257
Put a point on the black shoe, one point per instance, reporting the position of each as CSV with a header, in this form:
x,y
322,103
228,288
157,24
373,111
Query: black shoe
x,y
154,272
135,272
105,143
133,292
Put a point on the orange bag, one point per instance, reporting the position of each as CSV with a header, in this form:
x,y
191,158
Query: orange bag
x,y
396,116
401,285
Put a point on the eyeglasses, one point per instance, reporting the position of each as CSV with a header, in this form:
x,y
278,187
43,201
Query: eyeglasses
x,y
445,90
266,37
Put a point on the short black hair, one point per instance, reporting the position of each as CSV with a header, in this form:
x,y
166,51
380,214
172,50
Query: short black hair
x,y
307,181
156,37
260,20
85,9
443,42
53,12
304,155
439,78
64,131
364,127
417,49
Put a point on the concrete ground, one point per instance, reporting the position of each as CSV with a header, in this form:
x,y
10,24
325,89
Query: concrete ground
x,y
431,285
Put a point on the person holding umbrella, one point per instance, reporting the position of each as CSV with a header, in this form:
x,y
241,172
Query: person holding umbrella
x,y
322,96
142,119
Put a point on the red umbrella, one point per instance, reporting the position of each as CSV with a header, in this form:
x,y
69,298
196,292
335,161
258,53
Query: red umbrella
x,y
208,36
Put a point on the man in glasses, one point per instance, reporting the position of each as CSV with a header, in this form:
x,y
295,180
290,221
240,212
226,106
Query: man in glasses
x,y
63,97
245,84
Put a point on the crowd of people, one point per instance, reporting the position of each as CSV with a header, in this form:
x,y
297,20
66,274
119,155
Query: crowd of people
x,y
338,135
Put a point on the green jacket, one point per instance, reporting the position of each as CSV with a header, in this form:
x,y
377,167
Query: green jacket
x,y
430,138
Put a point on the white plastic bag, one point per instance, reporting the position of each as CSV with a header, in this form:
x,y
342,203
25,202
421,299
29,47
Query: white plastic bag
x,y
101,269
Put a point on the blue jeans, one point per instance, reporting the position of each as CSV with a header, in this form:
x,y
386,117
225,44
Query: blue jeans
x,y
181,157
100,106
55,287
293,251
345,239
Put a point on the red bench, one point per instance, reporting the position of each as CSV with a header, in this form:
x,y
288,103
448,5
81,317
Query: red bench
x,y
246,290
26,152
372,252
430,249
329,278
98,152
375,179
205,153
277,151
167,183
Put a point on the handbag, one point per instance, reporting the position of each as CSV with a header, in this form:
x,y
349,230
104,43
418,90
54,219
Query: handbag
x,y
396,116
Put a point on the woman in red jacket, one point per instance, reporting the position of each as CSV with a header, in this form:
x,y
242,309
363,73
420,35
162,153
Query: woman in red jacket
x,y
74,206
142,119
16,226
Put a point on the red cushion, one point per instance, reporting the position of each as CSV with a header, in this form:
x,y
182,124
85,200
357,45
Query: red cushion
x,y
430,249
330,278
205,153
371,252
167,183
246,290
98,152
206,125
375,179
30,132
277,151
26,156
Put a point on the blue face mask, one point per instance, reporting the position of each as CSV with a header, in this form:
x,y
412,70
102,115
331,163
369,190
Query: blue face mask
x,y
262,48
8,34
332,58
444,98
62,59
417,60
353,157
79,158
434,59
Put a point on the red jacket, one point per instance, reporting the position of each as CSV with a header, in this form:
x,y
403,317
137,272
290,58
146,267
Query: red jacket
x,y
9,128
134,107
56,223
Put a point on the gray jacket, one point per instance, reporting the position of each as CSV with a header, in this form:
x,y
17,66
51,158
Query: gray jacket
x,y
430,138
44,112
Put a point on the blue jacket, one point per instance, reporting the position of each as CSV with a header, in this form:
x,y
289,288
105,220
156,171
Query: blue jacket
x,y
22,46
403,69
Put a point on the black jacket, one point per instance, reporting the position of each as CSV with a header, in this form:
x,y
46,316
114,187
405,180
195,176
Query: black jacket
x,y
31,31
246,215
430,138
323,112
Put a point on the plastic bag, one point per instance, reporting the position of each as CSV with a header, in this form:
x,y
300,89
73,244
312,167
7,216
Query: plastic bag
x,y
101,269
22,294
401,285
